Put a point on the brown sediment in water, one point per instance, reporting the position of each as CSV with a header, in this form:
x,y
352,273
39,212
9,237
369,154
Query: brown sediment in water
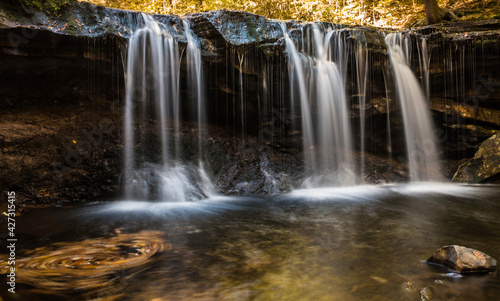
x,y
92,268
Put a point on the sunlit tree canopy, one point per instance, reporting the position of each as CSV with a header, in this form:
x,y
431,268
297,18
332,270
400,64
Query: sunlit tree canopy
x,y
383,13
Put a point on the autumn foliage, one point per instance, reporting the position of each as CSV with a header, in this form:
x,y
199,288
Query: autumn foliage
x,y
380,13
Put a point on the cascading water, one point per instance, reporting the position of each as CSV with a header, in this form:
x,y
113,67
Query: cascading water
x,y
318,70
152,93
361,57
317,78
241,60
420,141
318,75
424,67
196,82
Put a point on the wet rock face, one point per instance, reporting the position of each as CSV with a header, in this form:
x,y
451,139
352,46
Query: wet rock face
x,y
485,163
463,64
464,260
256,169
242,28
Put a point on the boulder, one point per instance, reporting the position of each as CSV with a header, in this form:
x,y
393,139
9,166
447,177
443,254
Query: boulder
x,y
464,260
484,164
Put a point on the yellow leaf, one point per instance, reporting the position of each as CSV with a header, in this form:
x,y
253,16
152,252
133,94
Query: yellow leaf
x,y
478,254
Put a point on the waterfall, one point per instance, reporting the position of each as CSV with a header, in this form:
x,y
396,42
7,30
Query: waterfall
x,y
152,160
420,141
320,74
361,58
241,60
317,73
196,82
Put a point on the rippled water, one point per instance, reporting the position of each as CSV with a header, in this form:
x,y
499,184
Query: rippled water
x,y
351,243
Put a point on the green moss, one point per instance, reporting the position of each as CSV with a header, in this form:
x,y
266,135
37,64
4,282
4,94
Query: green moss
x,y
49,7
252,28
72,26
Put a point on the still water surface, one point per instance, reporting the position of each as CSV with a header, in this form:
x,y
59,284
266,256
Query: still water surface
x,y
356,243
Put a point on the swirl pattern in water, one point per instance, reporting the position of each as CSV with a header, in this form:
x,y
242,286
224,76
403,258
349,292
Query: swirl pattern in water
x,y
89,268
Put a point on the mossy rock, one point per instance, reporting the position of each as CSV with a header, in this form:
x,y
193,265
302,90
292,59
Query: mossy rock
x,y
485,164
49,7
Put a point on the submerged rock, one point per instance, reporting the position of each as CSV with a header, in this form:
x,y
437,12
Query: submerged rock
x,y
485,164
464,260
439,292
427,294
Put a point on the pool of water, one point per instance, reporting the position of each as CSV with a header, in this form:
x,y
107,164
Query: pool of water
x,y
355,243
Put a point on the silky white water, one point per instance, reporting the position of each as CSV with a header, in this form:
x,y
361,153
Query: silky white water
x,y
421,146
152,93
361,57
318,71
317,75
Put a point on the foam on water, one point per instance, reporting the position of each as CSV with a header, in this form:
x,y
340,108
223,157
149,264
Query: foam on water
x,y
209,206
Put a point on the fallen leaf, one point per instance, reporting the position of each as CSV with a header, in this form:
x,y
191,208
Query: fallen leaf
x,y
478,254
379,279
